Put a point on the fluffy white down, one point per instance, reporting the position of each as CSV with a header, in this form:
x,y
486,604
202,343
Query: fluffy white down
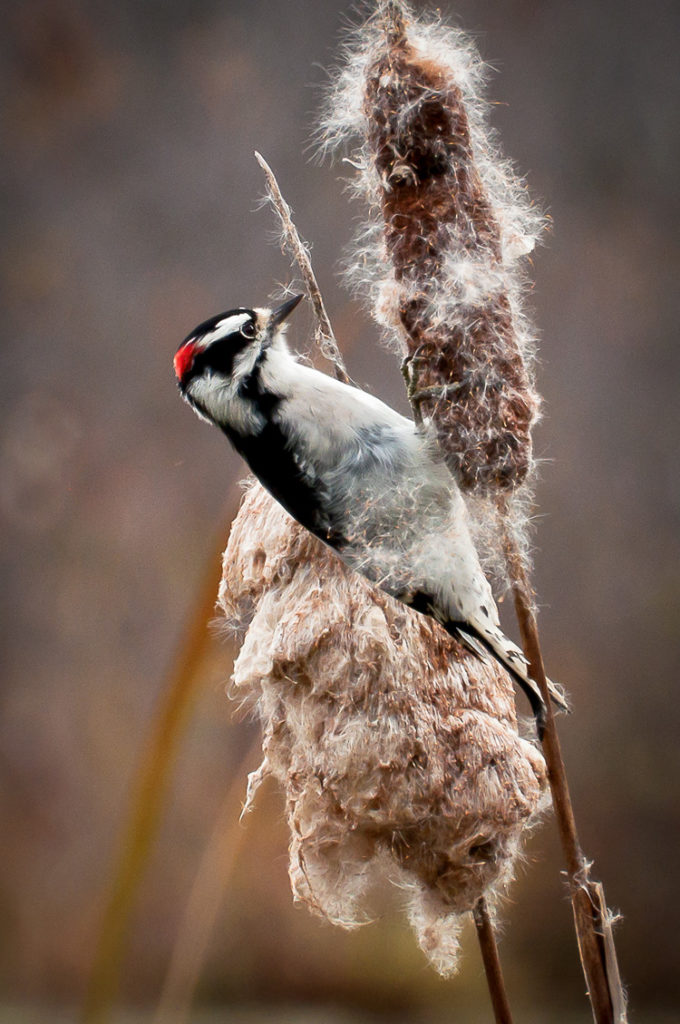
x,y
398,751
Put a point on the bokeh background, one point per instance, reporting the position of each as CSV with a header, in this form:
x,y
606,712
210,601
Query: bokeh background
x,y
129,213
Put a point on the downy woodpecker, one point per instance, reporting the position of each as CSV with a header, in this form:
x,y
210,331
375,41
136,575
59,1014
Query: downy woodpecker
x,y
349,468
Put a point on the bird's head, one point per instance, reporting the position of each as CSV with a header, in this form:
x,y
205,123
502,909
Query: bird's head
x,y
226,349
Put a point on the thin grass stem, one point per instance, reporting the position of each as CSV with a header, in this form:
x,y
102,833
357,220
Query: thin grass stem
x,y
293,243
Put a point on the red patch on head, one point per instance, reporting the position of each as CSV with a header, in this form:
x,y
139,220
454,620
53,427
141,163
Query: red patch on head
x,y
184,357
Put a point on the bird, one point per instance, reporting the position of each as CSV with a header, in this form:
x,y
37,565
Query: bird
x,y
361,477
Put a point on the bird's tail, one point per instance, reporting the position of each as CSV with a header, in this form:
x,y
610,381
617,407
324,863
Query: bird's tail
x,y
487,639
485,642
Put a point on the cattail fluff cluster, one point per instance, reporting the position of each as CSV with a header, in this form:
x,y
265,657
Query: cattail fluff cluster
x,y
441,257
397,749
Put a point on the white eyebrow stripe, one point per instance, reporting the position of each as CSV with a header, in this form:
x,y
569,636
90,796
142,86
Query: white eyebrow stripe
x,y
223,328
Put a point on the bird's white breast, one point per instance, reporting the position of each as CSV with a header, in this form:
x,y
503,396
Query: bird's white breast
x,y
324,415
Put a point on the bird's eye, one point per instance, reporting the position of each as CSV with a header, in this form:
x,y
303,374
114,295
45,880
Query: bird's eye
x,y
248,330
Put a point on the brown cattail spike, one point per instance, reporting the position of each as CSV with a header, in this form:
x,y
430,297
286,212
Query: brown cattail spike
x,y
467,372
394,21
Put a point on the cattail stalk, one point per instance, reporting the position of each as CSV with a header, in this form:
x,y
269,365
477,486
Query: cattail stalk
x,y
592,919
492,962
442,266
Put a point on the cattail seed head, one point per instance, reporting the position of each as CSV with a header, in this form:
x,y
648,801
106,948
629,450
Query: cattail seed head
x,y
450,224
397,749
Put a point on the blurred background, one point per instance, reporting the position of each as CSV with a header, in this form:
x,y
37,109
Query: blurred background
x,y
129,214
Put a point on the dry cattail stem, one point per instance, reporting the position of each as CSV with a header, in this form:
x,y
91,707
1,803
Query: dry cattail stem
x,y
326,341
492,963
397,749
291,241
593,921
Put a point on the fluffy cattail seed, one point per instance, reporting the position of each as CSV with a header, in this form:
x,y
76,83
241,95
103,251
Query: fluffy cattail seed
x,y
452,224
397,749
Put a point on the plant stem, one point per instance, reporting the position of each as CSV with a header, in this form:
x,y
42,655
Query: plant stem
x,y
591,917
492,963
292,241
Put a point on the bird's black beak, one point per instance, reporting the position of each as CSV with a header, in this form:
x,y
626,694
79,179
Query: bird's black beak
x,y
282,312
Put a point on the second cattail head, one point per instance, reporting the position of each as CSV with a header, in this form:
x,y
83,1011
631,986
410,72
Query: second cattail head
x,y
450,225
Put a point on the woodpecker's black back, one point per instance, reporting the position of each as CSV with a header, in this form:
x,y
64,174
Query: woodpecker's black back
x,y
272,458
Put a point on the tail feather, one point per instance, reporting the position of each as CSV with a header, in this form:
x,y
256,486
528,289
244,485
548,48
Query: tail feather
x,y
512,658
485,641
482,646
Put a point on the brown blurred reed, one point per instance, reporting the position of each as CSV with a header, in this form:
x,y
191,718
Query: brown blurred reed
x,y
149,790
